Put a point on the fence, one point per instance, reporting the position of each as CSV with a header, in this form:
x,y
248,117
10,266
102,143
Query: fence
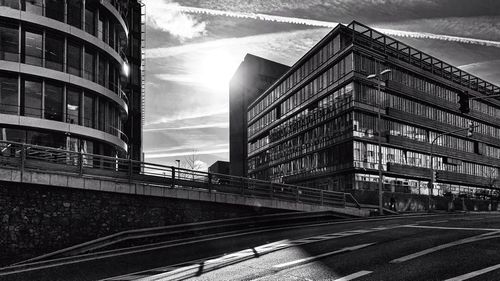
x,y
25,156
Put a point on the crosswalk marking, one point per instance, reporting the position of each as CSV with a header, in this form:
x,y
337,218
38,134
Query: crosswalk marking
x,y
474,273
354,275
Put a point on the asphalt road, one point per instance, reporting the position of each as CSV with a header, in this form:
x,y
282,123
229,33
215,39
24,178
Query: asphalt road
x,y
411,248
464,247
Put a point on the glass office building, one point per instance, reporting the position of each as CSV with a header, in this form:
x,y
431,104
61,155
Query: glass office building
x,y
316,126
70,74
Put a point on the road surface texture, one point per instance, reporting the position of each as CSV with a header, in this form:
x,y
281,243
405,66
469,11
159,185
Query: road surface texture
x,y
440,247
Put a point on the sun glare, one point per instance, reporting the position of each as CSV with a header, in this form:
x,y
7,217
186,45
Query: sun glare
x,y
216,69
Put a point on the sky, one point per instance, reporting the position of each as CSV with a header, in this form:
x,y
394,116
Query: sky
x,y
194,46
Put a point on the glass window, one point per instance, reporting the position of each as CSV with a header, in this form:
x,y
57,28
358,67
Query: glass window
x,y
102,114
54,9
75,13
101,28
32,98
14,135
9,43
33,6
53,102
54,52
74,58
89,20
88,111
8,95
14,4
89,65
73,106
112,35
33,43
113,83
101,75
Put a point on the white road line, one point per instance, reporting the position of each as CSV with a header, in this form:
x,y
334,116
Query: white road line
x,y
313,258
444,246
451,228
474,273
354,275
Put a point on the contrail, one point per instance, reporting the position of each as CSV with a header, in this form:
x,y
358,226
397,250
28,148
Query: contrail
x,y
317,23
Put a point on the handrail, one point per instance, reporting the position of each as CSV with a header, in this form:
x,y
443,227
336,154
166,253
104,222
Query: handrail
x,y
24,156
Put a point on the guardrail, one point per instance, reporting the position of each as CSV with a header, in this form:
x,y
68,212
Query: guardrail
x,y
25,156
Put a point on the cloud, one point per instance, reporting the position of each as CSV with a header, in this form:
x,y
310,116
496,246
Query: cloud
x,y
317,23
184,153
200,126
167,17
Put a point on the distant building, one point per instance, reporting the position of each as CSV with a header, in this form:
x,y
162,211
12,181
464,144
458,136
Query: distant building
x,y
316,125
252,77
71,75
219,167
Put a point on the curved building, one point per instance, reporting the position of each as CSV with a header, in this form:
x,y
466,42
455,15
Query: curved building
x,y
70,75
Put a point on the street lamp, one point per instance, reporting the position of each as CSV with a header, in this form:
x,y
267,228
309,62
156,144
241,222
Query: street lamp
x,y
178,163
379,132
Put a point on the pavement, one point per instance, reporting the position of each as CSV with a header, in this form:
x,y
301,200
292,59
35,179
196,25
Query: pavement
x,y
463,246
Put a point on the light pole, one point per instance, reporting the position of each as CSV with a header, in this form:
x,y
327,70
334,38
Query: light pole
x,y
379,132
178,163
469,129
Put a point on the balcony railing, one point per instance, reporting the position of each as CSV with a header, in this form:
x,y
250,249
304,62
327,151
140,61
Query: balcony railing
x,y
50,160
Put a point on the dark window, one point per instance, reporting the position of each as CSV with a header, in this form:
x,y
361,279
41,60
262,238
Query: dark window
x,y
90,20
33,6
88,111
135,73
101,75
112,35
73,106
75,13
14,4
113,83
101,26
54,9
102,114
33,43
74,58
14,135
32,98
54,52
89,65
8,95
53,102
9,43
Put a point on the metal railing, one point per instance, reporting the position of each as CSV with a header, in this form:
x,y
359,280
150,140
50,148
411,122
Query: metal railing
x,y
24,157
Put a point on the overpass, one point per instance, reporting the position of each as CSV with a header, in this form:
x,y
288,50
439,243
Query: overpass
x,y
30,164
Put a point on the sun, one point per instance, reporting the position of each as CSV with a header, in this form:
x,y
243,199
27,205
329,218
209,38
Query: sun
x,y
216,68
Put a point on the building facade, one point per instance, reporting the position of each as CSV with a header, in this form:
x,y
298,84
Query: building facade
x,y
70,74
317,125
253,76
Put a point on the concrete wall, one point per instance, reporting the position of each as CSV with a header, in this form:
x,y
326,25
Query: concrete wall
x,y
36,219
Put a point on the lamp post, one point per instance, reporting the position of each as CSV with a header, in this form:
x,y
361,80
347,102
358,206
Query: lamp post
x,y
379,132
178,163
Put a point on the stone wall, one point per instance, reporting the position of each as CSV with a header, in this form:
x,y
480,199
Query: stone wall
x,y
38,219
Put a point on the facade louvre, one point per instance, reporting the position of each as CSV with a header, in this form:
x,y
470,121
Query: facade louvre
x,y
316,126
62,79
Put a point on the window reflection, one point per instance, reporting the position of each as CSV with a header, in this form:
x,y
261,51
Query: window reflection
x,y
73,106
88,111
33,48
53,102
33,6
54,52
9,43
14,4
54,9
89,65
32,98
74,59
75,13
8,95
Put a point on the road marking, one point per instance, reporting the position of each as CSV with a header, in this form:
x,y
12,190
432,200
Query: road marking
x,y
354,275
313,258
474,273
451,228
447,245
439,221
